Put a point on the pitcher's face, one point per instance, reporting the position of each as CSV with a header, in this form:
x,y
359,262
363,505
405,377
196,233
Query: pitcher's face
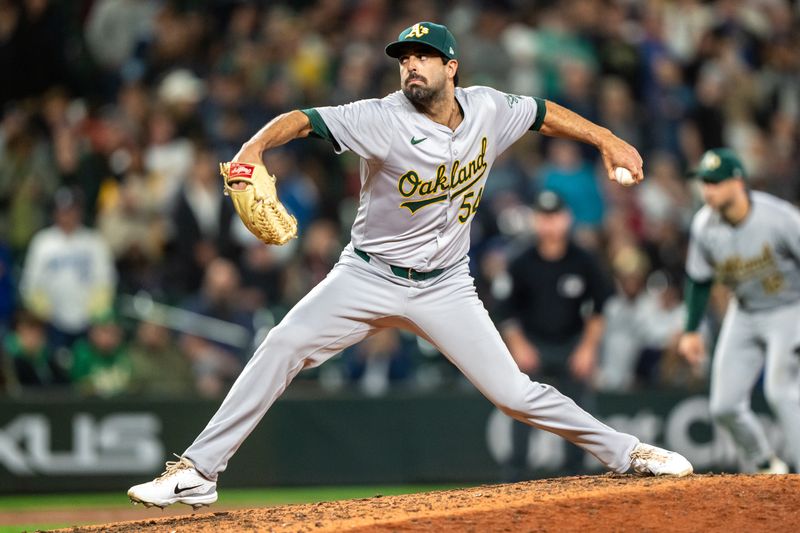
x,y
424,74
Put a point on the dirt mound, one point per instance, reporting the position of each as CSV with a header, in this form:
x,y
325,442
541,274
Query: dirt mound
x,y
585,503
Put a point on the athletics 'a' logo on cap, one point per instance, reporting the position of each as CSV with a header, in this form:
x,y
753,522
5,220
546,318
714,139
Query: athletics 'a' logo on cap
x,y
710,161
417,31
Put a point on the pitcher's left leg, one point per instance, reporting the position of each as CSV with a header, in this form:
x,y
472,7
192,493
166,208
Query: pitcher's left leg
x,y
452,317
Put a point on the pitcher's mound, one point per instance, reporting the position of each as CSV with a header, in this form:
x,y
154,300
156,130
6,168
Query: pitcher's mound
x,y
582,504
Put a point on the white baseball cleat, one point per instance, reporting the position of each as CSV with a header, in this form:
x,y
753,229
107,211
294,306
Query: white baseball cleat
x,y
648,460
180,483
773,466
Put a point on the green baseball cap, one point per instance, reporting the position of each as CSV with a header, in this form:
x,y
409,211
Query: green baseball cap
x,y
434,35
719,164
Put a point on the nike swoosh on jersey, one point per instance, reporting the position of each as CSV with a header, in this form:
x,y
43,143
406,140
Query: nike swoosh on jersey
x,y
179,490
417,141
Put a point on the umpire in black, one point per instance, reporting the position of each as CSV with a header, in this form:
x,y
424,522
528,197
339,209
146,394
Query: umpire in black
x,y
552,317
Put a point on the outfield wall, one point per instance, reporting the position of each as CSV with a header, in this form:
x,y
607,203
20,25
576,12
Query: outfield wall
x,y
93,444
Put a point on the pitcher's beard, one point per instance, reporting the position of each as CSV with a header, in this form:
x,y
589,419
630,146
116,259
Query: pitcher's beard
x,y
420,96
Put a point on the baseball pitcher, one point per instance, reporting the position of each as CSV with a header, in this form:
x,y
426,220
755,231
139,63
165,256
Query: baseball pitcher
x,y
749,241
426,152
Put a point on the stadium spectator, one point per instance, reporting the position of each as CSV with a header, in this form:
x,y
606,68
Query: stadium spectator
x,y
68,277
132,224
158,367
262,276
101,364
27,360
319,249
219,349
297,190
378,363
114,30
128,217
574,180
121,97
552,319
28,177
167,156
622,344
617,108
180,94
662,317
202,220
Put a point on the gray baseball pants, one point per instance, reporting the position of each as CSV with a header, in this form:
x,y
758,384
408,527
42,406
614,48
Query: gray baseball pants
x,y
355,300
749,342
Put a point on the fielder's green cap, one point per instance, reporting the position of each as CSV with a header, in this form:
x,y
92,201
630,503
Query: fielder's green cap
x,y
719,164
434,35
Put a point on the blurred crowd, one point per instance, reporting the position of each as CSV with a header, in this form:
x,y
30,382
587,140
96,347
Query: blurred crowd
x,y
124,270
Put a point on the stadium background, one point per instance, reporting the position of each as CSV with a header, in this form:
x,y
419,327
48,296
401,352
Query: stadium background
x,y
124,108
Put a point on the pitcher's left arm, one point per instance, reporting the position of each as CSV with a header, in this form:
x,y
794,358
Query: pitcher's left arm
x,y
561,122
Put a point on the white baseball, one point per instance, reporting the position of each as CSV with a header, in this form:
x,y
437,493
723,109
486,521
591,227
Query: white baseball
x,y
624,177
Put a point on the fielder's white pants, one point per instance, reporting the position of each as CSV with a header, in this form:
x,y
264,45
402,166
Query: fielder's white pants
x,y
749,342
354,301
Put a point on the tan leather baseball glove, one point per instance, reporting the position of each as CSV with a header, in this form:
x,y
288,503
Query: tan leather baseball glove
x,y
257,202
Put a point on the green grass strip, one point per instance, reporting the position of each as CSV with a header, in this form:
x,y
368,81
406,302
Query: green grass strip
x,y
227,497
37,527
265,496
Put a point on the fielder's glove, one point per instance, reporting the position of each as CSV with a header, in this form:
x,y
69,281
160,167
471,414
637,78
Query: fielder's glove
x,y
257,203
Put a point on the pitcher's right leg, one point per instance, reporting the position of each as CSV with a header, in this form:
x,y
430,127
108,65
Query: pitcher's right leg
x,y
337,313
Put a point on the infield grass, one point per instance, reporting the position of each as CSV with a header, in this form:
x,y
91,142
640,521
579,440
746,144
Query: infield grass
x,y
227,497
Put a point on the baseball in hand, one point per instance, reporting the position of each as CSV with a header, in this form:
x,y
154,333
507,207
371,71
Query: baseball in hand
x,y
624,177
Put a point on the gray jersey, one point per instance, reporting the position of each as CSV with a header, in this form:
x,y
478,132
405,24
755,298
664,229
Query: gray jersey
x,y
421,182
420,185
759,259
